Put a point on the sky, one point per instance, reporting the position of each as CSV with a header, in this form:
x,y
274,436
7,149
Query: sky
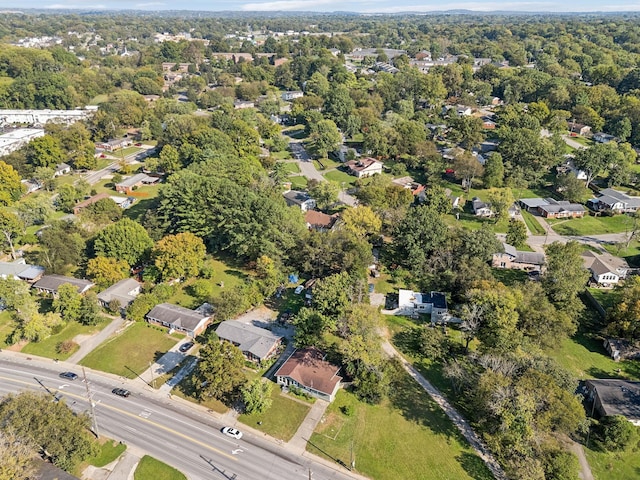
x,y
363,6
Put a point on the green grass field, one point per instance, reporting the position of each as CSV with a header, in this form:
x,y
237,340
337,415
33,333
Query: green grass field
x,y
605,296
109,451
508,276
532,224
129,353
291,167
151,469
6,327
328,164
340,177
407,436
283,417
589,225
298,182
616,465
47,347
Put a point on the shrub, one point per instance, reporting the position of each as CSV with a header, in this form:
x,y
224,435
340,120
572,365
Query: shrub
x,y
66,347
348,410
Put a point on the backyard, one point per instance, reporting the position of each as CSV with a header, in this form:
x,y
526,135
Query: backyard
x,y
615,465
129,353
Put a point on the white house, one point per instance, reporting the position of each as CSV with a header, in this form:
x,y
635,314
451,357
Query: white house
x,y
296,198
480,208
292,95
614,201
605,269
413,303
364,167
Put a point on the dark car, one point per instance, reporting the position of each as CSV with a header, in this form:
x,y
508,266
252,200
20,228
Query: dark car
x,y
121,392
68,375
185,346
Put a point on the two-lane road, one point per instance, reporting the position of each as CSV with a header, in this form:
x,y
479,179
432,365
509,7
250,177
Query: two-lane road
x,y
188,439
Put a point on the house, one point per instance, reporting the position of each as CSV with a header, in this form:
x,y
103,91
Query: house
x,y
615,397
114,144
364,167
129,184
513,259
51,283
413,303
31,186
125,291
89,201
480,208
417,189
61,169
21,270
605,269
320,222
488,123
296,198
579,129
551,208
256,344
568,166
308,370
602,137
292,95
621,349
463,111
178,318
123,202
613,201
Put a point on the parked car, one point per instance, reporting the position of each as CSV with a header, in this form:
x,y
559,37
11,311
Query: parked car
x,y
232,432
371,287
298,290
185,347
121,392
68,375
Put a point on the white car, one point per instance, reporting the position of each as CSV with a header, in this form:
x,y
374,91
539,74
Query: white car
x,y
232,432
298,290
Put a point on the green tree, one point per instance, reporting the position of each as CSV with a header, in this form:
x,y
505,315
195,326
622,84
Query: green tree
x,y
10,186
169,159
125,240
17,457
362,221
45,151
615,433
219,371
565,276
466,130
501,199
493,175
332,294
68,302
422,233
89,309
467,168
517,233
324,193
595,160
325,137
571,188
10,228
142,305
106,271
62,248
256,396
178,256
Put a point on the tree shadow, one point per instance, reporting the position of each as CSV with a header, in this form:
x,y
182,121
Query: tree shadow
x,y
474,466
407,340
235,273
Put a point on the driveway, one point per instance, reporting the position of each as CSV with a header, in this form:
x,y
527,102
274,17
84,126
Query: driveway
x,y
572,143
89,343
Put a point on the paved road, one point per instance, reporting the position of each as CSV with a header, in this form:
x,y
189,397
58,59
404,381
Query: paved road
x,y
462,425
172,430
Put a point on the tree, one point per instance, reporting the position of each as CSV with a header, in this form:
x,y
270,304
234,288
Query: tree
x,y
571,188
493,175
10,227
10,186
34,209
68,302
45,151
516,233
179,256
89,309
362,221
219,371
595,160
256,396
466,130
61,247
17,457
59,434
616,433
142,305
501,199
624,315
466,168
125,240
325,137
68,196
106,271
324,193
169,159
332,294
565,276
422,232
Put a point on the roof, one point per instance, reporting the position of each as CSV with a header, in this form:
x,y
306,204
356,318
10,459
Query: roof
x,y
52,283
297,197
533,202
19,268
308,367
609,196
62,166
132,181
604,263
618,397
120,291
257,341
176,315
362,164
319,219
533,258
479,204
92,200
406,297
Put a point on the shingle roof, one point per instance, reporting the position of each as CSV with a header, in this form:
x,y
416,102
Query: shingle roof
x,y
132,181
308,368
319,219
254,340
296,197
52,283
120,291
176,315
19,268
618,397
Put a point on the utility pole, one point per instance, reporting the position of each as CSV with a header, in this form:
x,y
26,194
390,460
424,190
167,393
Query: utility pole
x,y
353,460
309,474
92,411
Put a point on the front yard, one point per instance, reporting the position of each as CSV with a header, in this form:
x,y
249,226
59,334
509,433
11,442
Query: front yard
x,y
589,225
151,469
129,353
6,327
616,465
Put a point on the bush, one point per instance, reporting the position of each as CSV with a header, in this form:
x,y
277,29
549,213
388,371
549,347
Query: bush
x,y
66,347
348,410
616,433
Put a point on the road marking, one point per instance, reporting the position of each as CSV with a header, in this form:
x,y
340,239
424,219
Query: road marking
x,y
62,386
131,429
236,451
146,413
133,415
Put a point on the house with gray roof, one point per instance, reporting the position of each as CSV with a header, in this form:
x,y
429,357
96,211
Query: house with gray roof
x,y
514,259
131,183
257,344
615,397
51,283
21,270
178,318
124,292
551,208
302,200
605,269
610,200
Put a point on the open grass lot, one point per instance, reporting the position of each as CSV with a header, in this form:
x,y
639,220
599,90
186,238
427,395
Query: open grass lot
x,y
508,276
327,162
144,200
129,353
340,177
109,451
283,417
469,221
224,274
291,167
6,327
532,224
631,254
151,469
587,142
125,152
407,436
589,225
298,182
619,465
47,347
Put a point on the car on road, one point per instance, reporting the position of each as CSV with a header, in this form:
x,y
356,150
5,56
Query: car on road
x,y
298,290
121,392
185,346
68,375
232,432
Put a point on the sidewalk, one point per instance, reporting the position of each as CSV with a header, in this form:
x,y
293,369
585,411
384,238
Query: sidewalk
x,y
298,443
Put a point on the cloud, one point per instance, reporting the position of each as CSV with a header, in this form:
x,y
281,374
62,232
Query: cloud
x,y
60,6
150,4
295,5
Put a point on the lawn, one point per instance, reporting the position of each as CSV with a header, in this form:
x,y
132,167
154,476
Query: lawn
x,y
340,177
605,296
582,140
283,417
407,436
298,182
151,469
327,162
6,327
47,347
616,465
226,275
125,152
144,201
283,155
130,353
291,167
109,451
532,224
99,99
185,390
468,220
589,225
509,276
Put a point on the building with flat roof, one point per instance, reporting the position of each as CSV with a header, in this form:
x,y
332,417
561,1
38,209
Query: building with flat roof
x,y
615,397
16,139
